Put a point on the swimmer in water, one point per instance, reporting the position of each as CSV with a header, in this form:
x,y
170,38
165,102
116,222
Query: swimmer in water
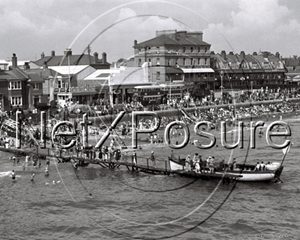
x,y
32,176
46,171
13,175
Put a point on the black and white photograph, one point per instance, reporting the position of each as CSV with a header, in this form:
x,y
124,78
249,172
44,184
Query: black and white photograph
x,y
149,119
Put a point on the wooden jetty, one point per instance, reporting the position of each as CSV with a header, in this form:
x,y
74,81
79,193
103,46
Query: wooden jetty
x,y
59,154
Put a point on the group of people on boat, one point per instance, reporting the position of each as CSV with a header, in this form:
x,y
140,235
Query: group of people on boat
x,y
197,164
262,166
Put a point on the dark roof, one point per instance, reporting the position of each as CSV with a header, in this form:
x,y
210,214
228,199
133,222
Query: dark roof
x,y
173,70
12,74
64,61
82,59
169,39
292,62
35,78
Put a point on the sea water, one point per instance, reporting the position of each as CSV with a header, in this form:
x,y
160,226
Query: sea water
x,y
98,203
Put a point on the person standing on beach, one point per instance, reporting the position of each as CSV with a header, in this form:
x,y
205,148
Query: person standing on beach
x,y
134,160
152,157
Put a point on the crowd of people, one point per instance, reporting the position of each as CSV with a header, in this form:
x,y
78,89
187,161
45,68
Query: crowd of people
x,y
104,106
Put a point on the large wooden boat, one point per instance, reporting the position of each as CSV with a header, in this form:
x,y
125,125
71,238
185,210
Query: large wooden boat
x,y
242,172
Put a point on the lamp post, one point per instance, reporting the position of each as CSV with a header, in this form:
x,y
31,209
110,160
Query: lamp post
x,y
222,74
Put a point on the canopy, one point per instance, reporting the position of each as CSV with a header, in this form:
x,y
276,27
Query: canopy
x,y
198,70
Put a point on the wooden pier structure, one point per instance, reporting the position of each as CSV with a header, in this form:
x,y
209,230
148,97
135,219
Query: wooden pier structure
x,y
132,165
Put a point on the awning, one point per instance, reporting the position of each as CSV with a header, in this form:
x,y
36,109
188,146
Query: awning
x,y
173,70
198,70
152,96
295,78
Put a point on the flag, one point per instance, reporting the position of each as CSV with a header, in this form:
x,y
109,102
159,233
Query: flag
x,y
286,149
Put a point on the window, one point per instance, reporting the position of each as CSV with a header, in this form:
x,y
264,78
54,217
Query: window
x,y
198,61
14,85
157,61
16,101
140,62
183,61
59,84
199,49
183,49
192,49
169,62
36,86
157,49
157,75
192,61
149,60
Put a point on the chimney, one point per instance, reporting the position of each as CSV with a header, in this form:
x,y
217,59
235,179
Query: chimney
x,y
14,61
277,55
68,52
52,53
243,54
265,54
42,55
231,53
254,53
212,53
26,66
223,54
96,59
135,42
104,58
45,66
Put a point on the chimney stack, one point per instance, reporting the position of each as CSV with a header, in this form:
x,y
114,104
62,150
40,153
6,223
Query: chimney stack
x,y
254,53
265,54
223,54
277,55
68,52
14,61
96,58
135,42
243,54
45,66
42,55
52,53
26,66
104,58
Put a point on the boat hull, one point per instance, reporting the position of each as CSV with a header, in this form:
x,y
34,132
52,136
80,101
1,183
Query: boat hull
x,y
237,175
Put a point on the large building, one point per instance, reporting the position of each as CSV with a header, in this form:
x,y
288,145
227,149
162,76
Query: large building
x,y
19,90
70,70
177,57
250,72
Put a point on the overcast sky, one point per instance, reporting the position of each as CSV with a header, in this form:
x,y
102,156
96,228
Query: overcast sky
x,y
30,27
